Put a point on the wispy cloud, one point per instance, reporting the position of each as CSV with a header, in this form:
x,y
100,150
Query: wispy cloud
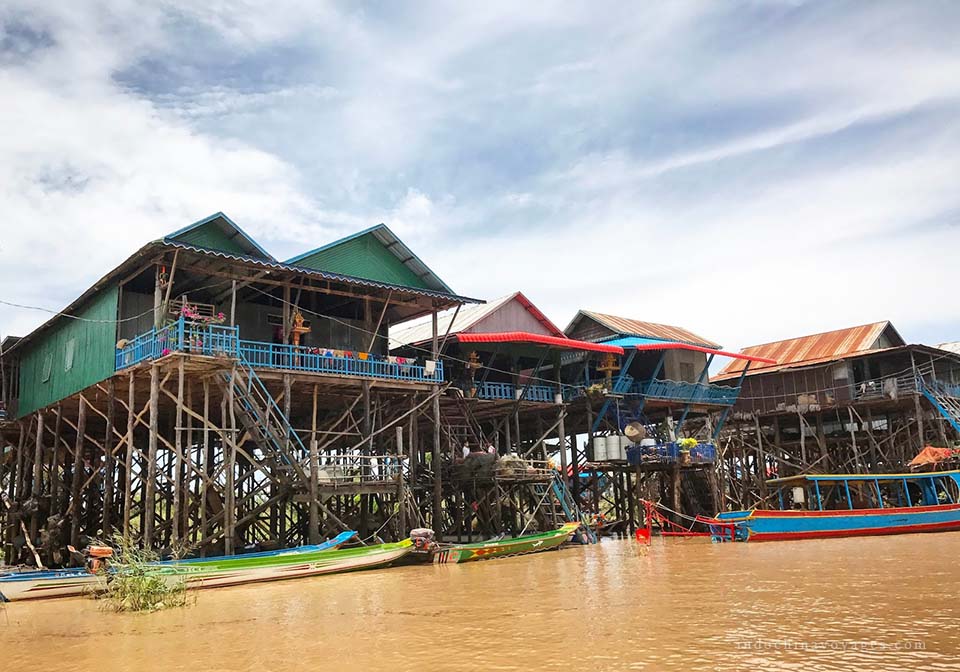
x,y
749,170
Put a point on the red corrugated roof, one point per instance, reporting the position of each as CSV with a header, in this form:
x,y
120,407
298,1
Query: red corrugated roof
x,y
664,332
538,339
814,348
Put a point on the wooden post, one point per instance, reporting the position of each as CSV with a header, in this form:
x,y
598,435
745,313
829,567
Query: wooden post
x,y
190,474
150,496
37,477
233,304
206,463
55,485
230,512
314,531
401,500
77,473
177,484
128,470
437,461
561,427
918,410
761,460
110,460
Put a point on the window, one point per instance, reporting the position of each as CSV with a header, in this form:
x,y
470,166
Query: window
x,y
68,357
47,368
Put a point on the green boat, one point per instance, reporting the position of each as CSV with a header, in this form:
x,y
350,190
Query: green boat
x,y
499,548
215,572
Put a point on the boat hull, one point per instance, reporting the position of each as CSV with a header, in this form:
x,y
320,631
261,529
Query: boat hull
x,y
791,525
533,543
73,582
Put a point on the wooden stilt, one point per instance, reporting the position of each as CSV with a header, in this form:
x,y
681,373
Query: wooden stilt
x,y
149,510
314,530
128,468
110,461
75,505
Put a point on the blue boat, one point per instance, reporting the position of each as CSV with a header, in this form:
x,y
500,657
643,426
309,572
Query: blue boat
x,y
818,506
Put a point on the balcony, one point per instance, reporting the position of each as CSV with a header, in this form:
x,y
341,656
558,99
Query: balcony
x,y
690,393
497,391
215,340
671,390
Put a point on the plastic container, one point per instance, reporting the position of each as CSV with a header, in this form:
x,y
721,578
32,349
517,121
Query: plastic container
x,y
599,449
612,447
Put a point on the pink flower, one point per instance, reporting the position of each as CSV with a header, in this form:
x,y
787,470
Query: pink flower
x,y
165,352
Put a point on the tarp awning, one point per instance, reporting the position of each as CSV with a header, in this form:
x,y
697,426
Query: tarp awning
x,y
539,339
639,343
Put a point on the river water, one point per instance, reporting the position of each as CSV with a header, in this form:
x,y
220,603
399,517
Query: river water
x,y
847,604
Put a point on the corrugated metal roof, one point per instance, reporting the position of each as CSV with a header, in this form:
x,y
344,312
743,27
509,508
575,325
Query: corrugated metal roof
x,y
626,327
953,346
374,254
421,331
639,343
824,347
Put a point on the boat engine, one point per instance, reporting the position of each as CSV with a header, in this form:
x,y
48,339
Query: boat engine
x,y
93,557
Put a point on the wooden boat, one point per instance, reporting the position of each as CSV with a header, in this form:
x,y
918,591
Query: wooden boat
x,y
75,581
498,548
847,505
236,571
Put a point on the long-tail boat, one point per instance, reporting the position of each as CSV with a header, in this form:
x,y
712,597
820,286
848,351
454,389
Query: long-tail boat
x,y
78,580
498,548
817,506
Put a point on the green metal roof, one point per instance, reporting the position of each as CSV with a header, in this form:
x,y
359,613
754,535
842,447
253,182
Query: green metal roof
x,y
218,232
374,254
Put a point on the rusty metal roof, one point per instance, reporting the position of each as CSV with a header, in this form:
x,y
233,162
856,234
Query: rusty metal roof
x,y
623,326
825,347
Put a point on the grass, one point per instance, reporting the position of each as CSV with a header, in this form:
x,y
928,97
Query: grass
x,y
133,584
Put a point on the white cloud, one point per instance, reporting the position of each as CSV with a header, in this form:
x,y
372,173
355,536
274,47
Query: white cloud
x,y
750,171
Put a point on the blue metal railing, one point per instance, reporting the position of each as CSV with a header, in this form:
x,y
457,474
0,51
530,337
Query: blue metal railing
x,y
215,339
493,390
702,453
292,358
180,336
693,393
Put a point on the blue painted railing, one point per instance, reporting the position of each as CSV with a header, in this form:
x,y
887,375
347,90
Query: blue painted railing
x,y
702,453
180,336
493,390
292,358
216,339
693,393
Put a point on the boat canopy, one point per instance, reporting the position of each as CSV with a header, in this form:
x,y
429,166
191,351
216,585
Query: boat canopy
x,y
802,478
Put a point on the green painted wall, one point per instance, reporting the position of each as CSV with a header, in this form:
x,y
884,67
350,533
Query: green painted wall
x,y
212,237
71,355
364,257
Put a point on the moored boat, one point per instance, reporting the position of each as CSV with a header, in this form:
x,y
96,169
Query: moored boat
x,y
498,548
74,581
817,506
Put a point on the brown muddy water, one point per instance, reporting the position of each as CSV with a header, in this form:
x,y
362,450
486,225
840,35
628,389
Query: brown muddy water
x,y
846,604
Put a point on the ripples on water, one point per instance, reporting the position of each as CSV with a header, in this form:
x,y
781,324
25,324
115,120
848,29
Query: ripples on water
x,y
848,604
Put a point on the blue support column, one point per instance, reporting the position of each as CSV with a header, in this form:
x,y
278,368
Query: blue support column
x,y
606,402
686,408
726,411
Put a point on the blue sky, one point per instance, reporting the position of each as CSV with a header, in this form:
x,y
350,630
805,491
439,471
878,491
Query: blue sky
x,y
751,171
